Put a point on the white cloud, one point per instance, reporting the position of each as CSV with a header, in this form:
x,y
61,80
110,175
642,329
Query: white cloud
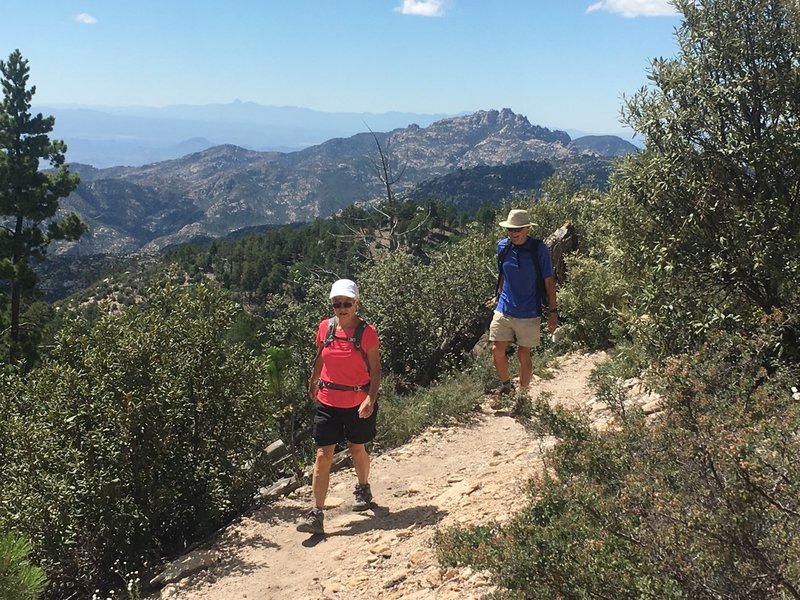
x,y
85,18
423,8
635,8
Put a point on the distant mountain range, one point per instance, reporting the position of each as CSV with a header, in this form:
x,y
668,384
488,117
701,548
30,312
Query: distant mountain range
x,y
107,136
219,190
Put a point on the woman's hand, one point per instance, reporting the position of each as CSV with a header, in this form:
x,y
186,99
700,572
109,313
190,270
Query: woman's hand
x,y
313,386
366,408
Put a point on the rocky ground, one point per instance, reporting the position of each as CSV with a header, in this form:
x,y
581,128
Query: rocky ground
x,y
467,474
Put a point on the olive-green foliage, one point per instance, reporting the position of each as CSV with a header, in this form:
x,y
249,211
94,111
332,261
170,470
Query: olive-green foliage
x,y
589,302
628,359
699,502
19,578
419,309
37,321
138,436
706,217
723,478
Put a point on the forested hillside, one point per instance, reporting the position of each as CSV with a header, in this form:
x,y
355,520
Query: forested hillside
x,y
135,416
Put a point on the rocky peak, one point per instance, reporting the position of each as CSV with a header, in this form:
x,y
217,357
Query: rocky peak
x,y
493,123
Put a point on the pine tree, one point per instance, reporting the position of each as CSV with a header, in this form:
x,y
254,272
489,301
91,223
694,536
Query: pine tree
x,y
19,578
28,195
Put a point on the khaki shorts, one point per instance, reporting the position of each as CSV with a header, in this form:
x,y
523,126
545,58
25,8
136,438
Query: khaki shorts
x,y
526,332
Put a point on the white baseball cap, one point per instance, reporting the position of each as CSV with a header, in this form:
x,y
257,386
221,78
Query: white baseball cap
x,y
344,287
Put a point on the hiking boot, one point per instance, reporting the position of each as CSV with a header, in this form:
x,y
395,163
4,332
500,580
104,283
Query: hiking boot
x,y
500,401
506,387
522,406
362,497
311,522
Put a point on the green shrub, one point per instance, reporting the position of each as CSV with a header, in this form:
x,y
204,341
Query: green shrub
x,y
706,215
137,437
589,302
627,360
421,310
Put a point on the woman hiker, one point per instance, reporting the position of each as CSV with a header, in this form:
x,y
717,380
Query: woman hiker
x,y
344,383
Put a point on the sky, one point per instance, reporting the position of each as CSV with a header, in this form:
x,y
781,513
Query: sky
x,y
562,63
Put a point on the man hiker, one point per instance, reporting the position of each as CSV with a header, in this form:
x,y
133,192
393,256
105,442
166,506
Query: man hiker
x,y
525,285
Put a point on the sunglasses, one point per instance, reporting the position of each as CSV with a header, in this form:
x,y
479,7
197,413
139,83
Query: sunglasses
x,y
514,229
342,304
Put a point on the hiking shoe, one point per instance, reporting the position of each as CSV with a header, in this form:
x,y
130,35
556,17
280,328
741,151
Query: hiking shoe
x,y
311,522
362,497
500,403
501,395
522,406
505,388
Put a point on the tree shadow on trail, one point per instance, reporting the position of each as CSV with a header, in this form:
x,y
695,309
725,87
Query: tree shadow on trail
x,y
383,519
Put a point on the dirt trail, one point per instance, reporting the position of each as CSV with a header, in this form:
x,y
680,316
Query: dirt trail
x,y
446,476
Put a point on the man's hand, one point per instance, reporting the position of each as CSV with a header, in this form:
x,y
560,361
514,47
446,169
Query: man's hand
x,y
552,321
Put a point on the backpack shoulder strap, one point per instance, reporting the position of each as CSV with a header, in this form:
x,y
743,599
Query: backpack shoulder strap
x,y
535,256
356,339
362,325
330,333
502,252
538,268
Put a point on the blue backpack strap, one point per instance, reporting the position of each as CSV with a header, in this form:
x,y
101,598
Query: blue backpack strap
x,y
502,252
535,257
538,268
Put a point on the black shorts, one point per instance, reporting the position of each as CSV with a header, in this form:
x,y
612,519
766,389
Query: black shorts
x,y
333,425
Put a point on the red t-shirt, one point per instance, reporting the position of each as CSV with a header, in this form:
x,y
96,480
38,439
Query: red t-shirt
x,y
342,363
